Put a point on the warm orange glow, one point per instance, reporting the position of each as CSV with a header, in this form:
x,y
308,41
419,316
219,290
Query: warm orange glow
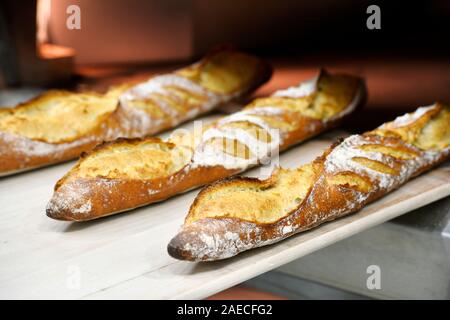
x,y
42,19
45,49
53,51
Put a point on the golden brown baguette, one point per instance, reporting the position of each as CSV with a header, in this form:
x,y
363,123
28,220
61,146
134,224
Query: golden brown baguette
x,y
60,125
127,174
239,214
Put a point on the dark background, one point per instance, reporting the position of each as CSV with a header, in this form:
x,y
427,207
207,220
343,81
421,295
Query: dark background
x,y
406,64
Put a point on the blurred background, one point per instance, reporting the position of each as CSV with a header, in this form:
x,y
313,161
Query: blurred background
x,y
406,64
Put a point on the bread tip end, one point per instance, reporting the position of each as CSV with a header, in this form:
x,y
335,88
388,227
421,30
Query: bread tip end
x,y
54,213
176,250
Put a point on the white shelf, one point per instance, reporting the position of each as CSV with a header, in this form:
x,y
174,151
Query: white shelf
x,y
124,256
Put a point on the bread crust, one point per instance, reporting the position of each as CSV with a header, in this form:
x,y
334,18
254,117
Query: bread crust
x,y
19,153
80,199
220,237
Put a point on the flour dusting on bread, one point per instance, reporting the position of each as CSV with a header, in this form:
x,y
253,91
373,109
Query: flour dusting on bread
x,y
410,118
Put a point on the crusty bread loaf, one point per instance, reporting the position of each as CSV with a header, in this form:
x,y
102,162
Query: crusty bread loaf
x,y
127,173
239,214
59,125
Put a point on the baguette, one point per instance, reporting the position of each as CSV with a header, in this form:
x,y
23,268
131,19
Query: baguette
x,y
60,125
238,214
126,174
